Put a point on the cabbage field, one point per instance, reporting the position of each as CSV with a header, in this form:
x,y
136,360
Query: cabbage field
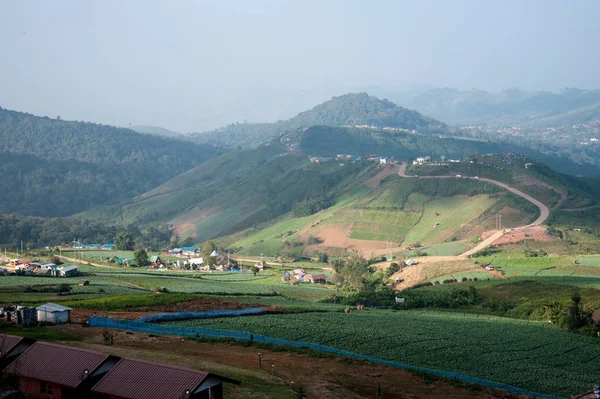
x,y
531,355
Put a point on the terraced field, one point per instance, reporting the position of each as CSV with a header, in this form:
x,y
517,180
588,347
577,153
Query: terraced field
x,y
531,355
443,217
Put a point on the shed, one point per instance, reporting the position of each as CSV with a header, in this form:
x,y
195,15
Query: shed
x,y
319,278
83,282
160,381
155,259
190,251
409,262
54,371
67,271
53,313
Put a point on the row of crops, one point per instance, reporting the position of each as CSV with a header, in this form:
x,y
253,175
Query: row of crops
x,y
530,355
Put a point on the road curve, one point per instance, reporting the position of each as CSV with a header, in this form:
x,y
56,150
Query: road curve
x,y
544,211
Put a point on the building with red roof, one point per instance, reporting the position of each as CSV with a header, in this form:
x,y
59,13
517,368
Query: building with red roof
x,y
139,379
52,371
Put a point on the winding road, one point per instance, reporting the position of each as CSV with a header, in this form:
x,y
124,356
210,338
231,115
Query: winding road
x,y
544,210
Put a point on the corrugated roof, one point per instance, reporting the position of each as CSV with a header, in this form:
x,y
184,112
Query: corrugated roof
x,y
138,379
57,364
8,343
52,307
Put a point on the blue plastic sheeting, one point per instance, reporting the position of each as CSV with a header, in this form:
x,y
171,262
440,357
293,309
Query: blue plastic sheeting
x,y
150,328
201,315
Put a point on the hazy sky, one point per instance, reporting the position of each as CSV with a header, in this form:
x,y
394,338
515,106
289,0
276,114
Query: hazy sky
x,y
194,65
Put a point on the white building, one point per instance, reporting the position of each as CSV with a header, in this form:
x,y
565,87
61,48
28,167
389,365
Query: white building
x,y
53,313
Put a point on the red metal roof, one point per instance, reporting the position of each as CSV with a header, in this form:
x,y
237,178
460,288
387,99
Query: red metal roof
x,y
138,379
8,343
57,364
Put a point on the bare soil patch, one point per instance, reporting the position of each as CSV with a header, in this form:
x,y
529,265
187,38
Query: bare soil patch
x,y
534,233
374,181
199,305
339,236
188,222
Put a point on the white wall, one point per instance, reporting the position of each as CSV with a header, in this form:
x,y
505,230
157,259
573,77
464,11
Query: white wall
x,y
53,317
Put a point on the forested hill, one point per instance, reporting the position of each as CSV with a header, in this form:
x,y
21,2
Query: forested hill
x,y
511,106
56,168
349,109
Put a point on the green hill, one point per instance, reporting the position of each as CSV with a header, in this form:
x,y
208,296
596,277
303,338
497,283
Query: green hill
x,y
349,109
52,167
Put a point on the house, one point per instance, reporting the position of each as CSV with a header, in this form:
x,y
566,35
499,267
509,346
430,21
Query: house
x,y
126,262
155,260
12,346
528,165
94,246
318,279
214,254
410,262
109,246
175,251
140,379
53,371
382,161
189,251
489,268
67,271
53,313
84,283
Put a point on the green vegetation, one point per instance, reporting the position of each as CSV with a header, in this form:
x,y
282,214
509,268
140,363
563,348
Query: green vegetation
x,y
62,167
499,349
348,109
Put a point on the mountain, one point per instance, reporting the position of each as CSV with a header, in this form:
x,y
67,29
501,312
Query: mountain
x,y
346,110
511,106
52,167
157,130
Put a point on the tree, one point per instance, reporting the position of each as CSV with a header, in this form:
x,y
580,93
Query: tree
x,y
208,249
255,269
300,394
124,241
140,257
394,268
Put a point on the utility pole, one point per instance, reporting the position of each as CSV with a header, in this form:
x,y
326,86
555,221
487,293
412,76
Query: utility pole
x,y
499,221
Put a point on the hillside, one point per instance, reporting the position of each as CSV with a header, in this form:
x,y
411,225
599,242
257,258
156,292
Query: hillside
x,y
237,190
329,141
511,106
349,109
52,167
157,130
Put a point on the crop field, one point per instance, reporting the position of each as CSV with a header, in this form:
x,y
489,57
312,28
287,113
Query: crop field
x,y
530,355
445,249
98,256
383,225
530,266
443,217
479,275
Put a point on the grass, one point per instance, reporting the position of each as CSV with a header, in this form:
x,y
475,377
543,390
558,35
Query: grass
x,y
39,333
443,217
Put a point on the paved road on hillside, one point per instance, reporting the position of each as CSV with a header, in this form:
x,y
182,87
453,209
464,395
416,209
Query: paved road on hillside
x,y
544,211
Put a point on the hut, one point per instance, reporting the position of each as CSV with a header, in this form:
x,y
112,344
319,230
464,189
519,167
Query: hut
x,y
53,313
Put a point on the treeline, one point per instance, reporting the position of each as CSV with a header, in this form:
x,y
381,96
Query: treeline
x,y
310,206
53,168
37,232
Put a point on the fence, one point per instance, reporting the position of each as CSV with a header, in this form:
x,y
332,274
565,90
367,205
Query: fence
x,y
150,328
201,315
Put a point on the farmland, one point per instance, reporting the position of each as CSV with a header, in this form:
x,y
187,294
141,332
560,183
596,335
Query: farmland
x,y
521,353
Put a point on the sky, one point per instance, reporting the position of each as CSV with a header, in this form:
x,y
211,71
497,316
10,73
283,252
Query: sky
x,y
190,66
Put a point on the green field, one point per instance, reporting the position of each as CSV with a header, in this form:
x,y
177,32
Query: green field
x,y
531,355
443,217
383,225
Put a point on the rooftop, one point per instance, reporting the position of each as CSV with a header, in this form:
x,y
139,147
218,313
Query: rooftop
x,y
139,379
52,307
57,364
8,343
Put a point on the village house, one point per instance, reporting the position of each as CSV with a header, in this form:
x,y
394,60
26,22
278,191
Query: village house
x,y
67,271
155,260
189,251
12,346
318,279
53,371
135,379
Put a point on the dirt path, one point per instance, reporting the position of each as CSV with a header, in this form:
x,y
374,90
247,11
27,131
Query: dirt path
x,y
86,262
320,377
